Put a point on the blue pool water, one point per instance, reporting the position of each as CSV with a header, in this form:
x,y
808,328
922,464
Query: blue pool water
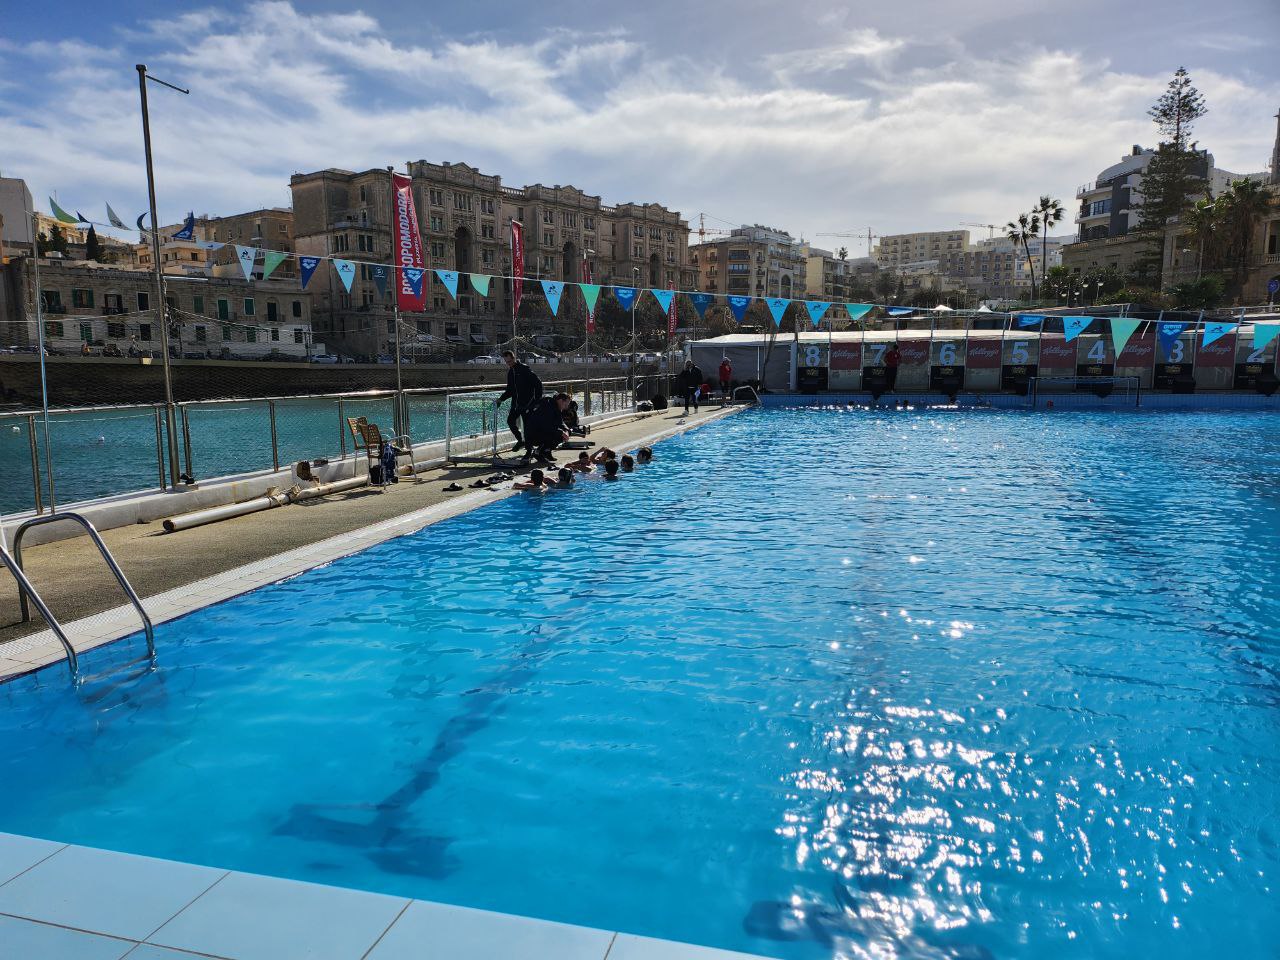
x,y
816,683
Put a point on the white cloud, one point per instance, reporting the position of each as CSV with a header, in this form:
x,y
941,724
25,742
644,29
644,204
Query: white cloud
x,y
276,90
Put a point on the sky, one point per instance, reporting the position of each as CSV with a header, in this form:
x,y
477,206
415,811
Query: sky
x,y
813,117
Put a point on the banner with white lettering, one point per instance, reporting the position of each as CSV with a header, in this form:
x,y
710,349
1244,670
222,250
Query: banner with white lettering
x,y
408,245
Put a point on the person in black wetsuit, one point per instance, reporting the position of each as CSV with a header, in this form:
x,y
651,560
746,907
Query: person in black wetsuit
x,y
545,428
689,380
523,390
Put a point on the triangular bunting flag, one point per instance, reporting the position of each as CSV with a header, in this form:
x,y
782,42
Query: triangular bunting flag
x,y
664,298
270,260
590,293
700,302
306,267
188,230
209,245
777,307
481,282
450,280
59,213
1168,334
113,219
858,310
380,278
1029,320
625,296
816,309
739,307
1216,331
1264,333
1072,327
901,311
81,218
1122,329
553,290
346,272
246,256
414,275
140,217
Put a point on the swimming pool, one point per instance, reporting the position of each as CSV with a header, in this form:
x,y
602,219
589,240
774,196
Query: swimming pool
x,y
817,682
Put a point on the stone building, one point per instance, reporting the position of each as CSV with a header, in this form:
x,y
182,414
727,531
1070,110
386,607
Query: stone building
x,y
267,229
900,248
111,308
465,217
754,260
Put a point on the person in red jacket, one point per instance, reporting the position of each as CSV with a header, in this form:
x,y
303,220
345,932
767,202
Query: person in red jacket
x,y
726,375
891,360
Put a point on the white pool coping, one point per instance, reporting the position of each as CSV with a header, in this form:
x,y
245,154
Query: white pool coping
x,y
43,649
66,902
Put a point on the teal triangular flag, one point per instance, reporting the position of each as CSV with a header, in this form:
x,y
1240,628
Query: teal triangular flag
x,y
590,293
816,309
246,256
1072,327
664,298
270,260
450,279
859,310
481,282
1264,333
553,290
346,272
1215,331
777,307
1122,329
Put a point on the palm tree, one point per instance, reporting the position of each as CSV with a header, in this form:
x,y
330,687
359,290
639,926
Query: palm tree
x,y
1022,231
1050,212
1201,222
1237,214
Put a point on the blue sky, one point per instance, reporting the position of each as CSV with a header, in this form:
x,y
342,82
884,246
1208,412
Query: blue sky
x,y
807,116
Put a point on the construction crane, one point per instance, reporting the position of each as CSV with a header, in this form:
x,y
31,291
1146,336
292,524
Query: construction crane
x,y
868,236
703,231
991,228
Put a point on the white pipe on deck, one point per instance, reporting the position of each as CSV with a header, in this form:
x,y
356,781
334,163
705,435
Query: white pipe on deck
x,y
273,498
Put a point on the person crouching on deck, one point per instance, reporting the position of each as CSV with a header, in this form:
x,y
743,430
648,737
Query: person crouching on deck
x,y
545,427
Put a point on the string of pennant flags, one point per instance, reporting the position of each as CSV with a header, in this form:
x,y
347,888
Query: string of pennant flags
x,y
1121,328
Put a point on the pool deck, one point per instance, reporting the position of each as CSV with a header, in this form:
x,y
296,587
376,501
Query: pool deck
x,y
65,902
180,572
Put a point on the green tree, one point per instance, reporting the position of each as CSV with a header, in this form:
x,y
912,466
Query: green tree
x,y
884,284
1178,108
92,246
55,242
1200,222
1060,283
1202,293
1237,213
1050,212
1022,231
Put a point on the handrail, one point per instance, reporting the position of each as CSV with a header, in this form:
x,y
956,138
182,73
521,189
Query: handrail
x,y
147,627
25,589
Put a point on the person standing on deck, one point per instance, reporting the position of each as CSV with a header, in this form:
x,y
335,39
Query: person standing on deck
x,y
523,390
891,360
690,382
725,376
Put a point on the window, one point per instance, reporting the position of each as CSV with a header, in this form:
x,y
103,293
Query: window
x,y
437,224
202,334
226,333
486,231
438,303
112,303
82,298
671,236
115,329
275,334
144,300
248,306
637,230
437,249
250,334
490,306
451,330
52,300
144,332
364,196
637,250
486,257
297,308
588,223
549,217
198,304
462,201
1099,207
424,326
548,238
224,309
86,331
569,219
340,243
273,312
437,198
53,328
297,334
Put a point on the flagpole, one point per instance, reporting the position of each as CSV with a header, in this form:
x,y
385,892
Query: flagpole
x,y
395,304
171,431
44,385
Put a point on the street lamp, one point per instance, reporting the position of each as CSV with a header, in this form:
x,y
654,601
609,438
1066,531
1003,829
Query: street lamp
x,y
631,367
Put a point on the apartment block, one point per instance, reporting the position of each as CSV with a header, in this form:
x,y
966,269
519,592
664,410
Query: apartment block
x,y
754,261
900,248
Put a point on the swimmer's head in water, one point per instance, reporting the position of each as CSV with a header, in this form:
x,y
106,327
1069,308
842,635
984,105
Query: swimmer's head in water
x,y
565,475
644,454
535,475
611,468
628,463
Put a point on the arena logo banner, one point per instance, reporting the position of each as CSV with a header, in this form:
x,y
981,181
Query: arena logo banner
x,y
739,306
481,282
246,256
1264,333
664,298
272,259
346,272
1168,334
901,311
1122,329
408,245
816,309
1028,320
1215,331
777,307
188,230
553,292
857,311
1072,327
625,296
590,294
379,278
450,280
306,267
700,302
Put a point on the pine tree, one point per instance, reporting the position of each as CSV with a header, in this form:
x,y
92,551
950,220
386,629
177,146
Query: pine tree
x,y
1178,108
92,246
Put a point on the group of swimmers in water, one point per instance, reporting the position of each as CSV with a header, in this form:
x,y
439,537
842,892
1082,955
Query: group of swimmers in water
x,y
604,460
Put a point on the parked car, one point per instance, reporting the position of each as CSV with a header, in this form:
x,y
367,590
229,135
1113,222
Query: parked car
x,y
487,359
325,358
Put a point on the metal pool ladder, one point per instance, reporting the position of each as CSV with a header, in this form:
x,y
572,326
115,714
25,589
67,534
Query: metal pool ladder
x,y
26,590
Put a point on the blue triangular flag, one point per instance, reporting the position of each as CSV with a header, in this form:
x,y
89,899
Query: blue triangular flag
x,y
816,309
1264,333
1029,320
777,307
306,267
553,290
82,218
414,275
664,298
858,310
450,280
346,272
380,279
1168,334
246,256
739,307
188,229
1072,327
700,302
1215,331
901,311
625,296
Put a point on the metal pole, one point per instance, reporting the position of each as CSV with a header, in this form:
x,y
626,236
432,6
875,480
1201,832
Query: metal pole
x,y
170,426
342,431
401,427
186,440
44,383
631,367
35,462
159,446
275,447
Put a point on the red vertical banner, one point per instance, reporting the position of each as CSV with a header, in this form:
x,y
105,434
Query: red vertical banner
x,y
408,252
672,316
517,266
